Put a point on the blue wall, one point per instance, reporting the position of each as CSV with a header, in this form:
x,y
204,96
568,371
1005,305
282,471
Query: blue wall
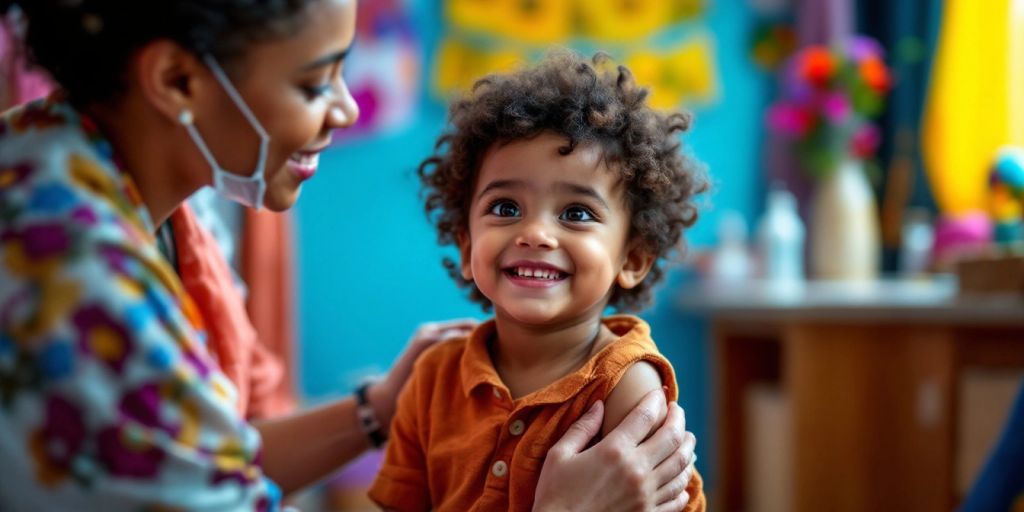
x,y
369,268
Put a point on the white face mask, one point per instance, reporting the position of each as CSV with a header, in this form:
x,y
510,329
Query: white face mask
x,y
246,190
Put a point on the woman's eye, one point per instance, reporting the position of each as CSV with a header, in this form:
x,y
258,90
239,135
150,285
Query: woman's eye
x,y
504,209
326,84
577,214
315,91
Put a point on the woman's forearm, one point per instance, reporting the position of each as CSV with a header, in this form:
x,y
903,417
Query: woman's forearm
x,y
300,449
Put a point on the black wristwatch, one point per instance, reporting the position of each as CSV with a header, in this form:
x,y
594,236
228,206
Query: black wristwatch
x,y
368,421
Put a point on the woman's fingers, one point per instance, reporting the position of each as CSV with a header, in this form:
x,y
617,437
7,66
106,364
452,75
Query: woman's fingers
x,y
667,440
673,475
580,433
638,423
438,331
679,503
681,459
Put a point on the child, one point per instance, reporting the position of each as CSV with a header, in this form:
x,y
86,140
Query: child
x,y
563,193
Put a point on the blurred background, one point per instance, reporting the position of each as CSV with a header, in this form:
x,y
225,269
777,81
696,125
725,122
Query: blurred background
x,y
847,321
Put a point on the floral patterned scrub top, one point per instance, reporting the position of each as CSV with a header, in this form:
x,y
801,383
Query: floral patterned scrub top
x,y
108,397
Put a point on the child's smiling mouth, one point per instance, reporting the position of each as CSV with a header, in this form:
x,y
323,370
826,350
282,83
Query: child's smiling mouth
x,y
534,274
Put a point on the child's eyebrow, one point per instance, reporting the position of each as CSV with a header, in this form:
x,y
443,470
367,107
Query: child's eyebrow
x,y
582,190
500,184
563,186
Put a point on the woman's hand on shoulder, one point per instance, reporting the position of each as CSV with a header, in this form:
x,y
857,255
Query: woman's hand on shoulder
x,y
639,379
384,395
623,472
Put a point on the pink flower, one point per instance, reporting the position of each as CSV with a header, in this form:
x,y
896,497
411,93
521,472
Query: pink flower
x,y
790,120
835,106
865,141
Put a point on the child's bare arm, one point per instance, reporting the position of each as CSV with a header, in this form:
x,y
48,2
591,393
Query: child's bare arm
x,y
640,379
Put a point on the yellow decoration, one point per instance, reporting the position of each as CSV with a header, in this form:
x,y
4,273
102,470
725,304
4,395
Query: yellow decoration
x,y
682,76
532,21
535,21
459,65
556,21
623,20
496,36
687,9
975,105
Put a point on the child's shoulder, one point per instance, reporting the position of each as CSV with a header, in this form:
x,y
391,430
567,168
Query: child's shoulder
x,y
632,346
631,335
445,352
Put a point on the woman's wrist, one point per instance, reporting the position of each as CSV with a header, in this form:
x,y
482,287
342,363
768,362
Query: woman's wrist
x,y
382,401
366,418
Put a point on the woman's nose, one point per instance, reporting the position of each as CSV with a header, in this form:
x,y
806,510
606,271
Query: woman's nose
x,y
536,234
343,112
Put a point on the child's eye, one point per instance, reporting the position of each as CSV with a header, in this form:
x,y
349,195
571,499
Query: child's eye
x,y
577,214
504,208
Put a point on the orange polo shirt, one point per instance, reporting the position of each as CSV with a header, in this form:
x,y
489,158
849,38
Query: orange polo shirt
x,y
459,442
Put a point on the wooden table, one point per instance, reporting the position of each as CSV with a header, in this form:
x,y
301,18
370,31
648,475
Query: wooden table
x,y
871,373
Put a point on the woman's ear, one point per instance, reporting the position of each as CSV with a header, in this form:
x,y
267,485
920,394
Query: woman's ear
x,y
465,251
638,262
168,77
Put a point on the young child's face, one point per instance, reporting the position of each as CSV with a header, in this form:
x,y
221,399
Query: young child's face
x,y
548,232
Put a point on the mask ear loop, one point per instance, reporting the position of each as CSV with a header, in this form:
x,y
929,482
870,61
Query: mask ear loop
x,y
188,121
240,103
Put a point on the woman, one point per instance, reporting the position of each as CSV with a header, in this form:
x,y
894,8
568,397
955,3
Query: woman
x,y
110,396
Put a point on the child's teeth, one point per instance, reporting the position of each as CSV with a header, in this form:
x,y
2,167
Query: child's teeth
x,y
537,273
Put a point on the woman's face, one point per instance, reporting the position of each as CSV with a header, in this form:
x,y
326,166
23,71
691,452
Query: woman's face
x,y
294,88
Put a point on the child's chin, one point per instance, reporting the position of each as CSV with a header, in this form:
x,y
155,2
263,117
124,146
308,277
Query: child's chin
x,y
531,314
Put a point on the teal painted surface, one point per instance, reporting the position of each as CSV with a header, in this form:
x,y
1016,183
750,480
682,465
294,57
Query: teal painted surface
x,y
369,268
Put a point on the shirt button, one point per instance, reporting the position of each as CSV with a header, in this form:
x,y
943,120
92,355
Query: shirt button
x,y
516,427
497,392
499,469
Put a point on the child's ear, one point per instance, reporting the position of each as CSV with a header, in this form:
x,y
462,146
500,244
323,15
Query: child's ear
x,y
639,260
465,249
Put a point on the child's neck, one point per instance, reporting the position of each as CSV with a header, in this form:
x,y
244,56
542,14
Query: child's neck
x,y
529,357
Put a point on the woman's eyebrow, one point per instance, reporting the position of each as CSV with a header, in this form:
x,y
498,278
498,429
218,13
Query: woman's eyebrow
x,y
328,59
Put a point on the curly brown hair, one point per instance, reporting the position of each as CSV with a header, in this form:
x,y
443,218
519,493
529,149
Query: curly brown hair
x,y
587,102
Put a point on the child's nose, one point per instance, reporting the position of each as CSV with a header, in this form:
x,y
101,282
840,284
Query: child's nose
x,y
536,234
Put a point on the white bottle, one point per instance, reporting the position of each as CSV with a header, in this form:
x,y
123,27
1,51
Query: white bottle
x,y
781,237
731,260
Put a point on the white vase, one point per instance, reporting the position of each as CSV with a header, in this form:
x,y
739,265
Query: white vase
x,y
844,232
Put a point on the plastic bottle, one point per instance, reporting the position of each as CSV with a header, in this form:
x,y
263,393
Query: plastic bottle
x,y
731,261
781,236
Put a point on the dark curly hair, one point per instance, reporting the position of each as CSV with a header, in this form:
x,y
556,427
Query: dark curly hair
x,y
587,102
86,44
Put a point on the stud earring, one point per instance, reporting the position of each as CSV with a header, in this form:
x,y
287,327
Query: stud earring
x,y
185,117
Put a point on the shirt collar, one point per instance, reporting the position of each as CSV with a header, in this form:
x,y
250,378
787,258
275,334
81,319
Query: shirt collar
x,y
129,202
477,369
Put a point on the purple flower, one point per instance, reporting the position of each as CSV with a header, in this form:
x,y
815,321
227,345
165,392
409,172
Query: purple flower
x,y
862,48
55,445
85,215
45,240
125,455
100,336
143,406
64,432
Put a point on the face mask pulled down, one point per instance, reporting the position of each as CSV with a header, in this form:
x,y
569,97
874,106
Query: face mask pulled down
x,y
246,190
